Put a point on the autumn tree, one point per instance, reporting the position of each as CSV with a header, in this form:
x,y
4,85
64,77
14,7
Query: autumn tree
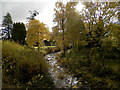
x,y
93,11
72,33
75,28
98,33
7,23
98,18
59,29
19,33
36,33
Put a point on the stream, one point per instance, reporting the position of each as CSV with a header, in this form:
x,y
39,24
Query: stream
x,y
61,77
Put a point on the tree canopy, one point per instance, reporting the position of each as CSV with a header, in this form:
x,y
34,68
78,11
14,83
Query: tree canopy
x,y
19,33
36,33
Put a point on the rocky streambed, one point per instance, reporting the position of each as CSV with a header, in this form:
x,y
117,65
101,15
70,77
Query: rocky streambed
x,y
61,77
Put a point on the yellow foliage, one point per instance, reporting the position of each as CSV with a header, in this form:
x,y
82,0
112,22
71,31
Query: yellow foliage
x,y
37,32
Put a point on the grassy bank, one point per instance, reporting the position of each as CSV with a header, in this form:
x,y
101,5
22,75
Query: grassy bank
x,y
99,68
47,49
23,67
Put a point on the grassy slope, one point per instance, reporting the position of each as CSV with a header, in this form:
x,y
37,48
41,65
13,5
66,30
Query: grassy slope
x,y
24,67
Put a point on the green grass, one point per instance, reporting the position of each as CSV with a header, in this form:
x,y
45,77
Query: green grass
x,y
24,67
47,49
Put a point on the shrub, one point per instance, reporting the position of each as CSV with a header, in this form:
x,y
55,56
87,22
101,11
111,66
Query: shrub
x,y
96,67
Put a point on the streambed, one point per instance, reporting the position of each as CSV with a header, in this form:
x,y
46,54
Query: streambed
x,y
61,77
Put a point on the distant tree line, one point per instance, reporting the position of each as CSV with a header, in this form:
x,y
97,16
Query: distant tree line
x,y
35,35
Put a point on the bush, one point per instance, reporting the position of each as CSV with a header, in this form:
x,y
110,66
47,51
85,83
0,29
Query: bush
x,y
116,76
110,52
100,71
24,67
97,69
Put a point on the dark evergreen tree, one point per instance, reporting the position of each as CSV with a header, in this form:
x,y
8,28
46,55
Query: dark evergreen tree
x,y
19,33
7,23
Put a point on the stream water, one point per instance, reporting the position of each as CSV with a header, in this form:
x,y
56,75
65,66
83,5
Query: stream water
x,y
60,76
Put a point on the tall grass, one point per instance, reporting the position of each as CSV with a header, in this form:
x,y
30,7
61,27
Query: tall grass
x,y
24,67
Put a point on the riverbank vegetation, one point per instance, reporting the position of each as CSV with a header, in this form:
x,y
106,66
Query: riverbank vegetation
x,y
23,67
99,68
89,43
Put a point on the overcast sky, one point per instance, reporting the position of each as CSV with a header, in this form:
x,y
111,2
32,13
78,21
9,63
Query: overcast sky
x,y
19,10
